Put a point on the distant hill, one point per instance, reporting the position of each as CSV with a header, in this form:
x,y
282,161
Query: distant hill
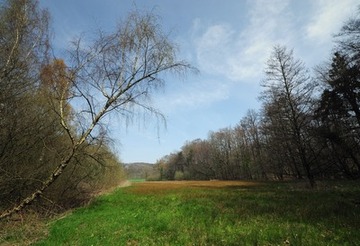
x,y
139,170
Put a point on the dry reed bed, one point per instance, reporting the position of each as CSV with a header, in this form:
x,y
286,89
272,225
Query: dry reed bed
x,y
164,186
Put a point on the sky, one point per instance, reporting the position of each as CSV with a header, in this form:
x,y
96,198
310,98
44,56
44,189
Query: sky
x,y
228,41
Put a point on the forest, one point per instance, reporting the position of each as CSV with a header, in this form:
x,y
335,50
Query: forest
x,y
308,126
33,115
55,150
56,153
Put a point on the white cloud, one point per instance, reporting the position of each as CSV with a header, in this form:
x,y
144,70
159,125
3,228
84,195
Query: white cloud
x,y
230,53
198,94
213,48
239,55
328,17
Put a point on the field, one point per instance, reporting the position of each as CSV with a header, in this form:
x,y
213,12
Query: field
x,y
214,213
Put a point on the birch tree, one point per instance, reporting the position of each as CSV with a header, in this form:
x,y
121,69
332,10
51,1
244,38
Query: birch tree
x,y
112,73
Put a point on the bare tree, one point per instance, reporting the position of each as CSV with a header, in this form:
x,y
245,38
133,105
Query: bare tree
x,y
250,124
199,163
289,90
116,72
24,38
24,44
348,39
223,145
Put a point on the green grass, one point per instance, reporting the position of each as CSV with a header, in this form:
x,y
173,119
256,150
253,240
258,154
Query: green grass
x,y
267,214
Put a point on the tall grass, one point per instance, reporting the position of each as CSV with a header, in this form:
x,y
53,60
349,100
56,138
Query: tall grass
x,y
205,213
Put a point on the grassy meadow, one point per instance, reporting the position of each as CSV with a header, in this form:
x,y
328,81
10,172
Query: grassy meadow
x,y
213,213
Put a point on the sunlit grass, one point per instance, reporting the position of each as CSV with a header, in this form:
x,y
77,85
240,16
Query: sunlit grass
x,y
215,213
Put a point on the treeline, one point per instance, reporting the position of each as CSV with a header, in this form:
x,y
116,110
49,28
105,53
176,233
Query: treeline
x,y
33,116
307,127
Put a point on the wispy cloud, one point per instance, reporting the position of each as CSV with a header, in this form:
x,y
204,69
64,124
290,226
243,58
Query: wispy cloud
x,y
328,17
213,48
227,55
239,55
193,95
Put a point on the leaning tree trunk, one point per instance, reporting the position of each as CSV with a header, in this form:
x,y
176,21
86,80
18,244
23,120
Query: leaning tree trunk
x,y
51,179
63,164
119,71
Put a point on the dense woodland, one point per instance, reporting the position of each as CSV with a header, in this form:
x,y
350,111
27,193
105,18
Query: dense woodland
x,y
308,126
55,152
33,141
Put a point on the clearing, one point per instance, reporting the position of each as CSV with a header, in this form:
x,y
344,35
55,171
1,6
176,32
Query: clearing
x,y
215,213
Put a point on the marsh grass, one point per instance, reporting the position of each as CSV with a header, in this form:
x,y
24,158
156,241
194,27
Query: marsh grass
x,y
216,213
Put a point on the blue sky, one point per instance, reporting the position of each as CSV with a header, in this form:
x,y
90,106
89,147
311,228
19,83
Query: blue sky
x,y
229,42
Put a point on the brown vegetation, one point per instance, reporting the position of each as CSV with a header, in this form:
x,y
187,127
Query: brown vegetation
x,y
164,186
